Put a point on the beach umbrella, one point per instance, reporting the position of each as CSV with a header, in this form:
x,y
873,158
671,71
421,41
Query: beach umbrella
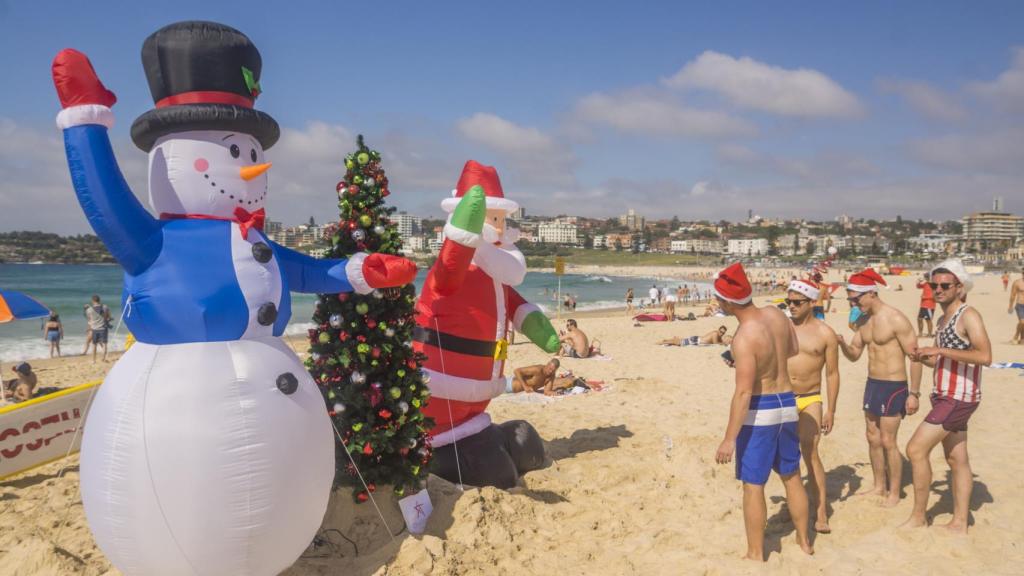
x,y
17,306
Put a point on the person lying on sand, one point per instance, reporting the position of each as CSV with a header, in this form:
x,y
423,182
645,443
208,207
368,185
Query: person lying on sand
x,y
536,378
714,337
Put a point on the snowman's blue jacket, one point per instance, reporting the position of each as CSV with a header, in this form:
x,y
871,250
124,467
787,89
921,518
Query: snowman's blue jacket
x,y
180,283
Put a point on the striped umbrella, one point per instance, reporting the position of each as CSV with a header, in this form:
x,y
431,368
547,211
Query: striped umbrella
x,y
17,306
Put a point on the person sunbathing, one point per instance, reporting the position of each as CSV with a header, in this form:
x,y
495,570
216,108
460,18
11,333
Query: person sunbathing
x,y
536,378
714,337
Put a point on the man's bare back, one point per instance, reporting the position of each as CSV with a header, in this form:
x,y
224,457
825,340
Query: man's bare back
x,y
770,338
536,378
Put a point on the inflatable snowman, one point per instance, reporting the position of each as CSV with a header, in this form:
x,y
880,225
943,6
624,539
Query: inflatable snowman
x,y
208,449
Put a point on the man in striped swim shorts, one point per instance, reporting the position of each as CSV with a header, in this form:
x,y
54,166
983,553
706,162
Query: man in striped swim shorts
x,y
762,429
962,348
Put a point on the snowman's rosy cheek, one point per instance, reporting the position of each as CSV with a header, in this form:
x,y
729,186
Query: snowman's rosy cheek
x,y
201,165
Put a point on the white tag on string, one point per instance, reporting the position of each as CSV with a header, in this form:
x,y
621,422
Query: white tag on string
x,y
416,510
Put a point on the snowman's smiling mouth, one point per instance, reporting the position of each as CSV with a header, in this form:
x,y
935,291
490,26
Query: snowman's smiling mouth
x,y
240,199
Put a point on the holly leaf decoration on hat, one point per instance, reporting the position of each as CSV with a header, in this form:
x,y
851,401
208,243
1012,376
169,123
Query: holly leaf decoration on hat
x,y
250,82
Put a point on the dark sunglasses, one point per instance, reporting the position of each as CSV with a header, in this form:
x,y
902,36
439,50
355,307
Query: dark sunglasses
x,y
797,302
854,299
942,285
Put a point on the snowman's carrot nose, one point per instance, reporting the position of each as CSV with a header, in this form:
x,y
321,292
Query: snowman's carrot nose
x,y
250,172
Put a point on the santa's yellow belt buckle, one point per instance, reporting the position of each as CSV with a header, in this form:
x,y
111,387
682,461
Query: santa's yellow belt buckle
x,y
501,349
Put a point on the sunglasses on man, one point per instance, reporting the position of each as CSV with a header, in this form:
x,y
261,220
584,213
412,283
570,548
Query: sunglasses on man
x,y
796,302
942,285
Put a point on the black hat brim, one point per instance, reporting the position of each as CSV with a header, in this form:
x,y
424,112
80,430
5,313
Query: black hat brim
x,y
149,127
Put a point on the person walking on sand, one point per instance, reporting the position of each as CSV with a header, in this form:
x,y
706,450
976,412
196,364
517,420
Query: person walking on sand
x,y
818,349
961,348
889,338
927,309
1017,305
1006,279
53,332
629,302
98,316
762,428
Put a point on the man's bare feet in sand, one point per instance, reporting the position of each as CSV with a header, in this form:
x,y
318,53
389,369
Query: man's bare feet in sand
x,y
821,526
956,527
891,501
876,492
915,522
805,546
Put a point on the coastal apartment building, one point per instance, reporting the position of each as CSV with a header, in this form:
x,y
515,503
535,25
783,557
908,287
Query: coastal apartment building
x,y
408,225
985,230
557,232
631,220
697,246
747,246
619,241
933,243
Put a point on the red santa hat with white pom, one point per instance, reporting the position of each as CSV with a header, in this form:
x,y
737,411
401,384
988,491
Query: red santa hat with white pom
x,y
477,174
866,280
732,285
806,288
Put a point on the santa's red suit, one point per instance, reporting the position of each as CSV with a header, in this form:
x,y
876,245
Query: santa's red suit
x,y
462,320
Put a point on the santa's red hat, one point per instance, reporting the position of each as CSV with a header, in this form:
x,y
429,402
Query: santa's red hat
x,y
732,285
806,288
866,280
476,174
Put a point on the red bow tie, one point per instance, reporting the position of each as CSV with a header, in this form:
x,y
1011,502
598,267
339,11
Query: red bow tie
x,y
243,218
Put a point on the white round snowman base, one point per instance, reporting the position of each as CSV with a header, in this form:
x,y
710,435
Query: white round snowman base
x,y
189,435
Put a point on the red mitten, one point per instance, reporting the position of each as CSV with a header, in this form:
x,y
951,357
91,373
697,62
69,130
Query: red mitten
x,y
76,81
384,271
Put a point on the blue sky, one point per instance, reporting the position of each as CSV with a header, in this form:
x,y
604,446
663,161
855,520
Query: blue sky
x,y
702,110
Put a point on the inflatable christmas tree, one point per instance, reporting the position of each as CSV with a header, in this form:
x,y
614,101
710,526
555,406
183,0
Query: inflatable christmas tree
x,y
361,351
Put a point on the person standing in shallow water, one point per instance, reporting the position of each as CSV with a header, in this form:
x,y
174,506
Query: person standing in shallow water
x,y
53,332
762,429
961,348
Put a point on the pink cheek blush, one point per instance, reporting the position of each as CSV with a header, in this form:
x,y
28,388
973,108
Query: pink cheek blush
x,y
202,165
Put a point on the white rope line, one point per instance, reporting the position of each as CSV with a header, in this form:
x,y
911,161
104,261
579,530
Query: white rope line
x,y
365,487
448,402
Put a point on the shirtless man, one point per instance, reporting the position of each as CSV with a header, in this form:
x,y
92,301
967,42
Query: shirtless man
x,y
713,337
823,303
962,348
575,343
762,429
1017,305
889,338
819,348
536,378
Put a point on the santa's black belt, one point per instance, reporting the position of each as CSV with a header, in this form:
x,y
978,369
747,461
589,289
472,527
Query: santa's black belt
x,y
460,345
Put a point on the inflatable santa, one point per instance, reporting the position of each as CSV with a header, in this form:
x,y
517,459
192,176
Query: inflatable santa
x,y
209,449
462,319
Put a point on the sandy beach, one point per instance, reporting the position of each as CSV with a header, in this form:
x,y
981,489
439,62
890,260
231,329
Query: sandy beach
x,y
631,486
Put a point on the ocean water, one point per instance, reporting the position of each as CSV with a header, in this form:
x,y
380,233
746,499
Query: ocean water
x,y
66,289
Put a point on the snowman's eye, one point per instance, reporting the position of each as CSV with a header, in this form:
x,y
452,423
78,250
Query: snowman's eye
x,y
235,151
252,154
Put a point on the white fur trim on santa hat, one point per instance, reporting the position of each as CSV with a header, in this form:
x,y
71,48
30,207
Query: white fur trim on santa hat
x,y
354,272
522,312
460,236
474,425
85,114
956,268
510,206
805,288
862,287
733,300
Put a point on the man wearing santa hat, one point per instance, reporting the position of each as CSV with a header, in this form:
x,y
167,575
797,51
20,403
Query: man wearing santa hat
x,y
818,349
889,339
762,428
462,318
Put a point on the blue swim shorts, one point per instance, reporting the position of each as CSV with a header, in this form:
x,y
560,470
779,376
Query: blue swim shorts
x,y
768,439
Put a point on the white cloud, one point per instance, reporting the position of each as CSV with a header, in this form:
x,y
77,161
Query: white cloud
x,y
925,99
824,167
526,156
997,151
646,113
1007,90
755,85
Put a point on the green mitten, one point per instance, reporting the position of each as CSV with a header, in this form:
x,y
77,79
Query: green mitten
x,y
539,330
469,214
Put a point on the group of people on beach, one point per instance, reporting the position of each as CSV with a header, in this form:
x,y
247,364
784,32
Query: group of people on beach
x,y
786,367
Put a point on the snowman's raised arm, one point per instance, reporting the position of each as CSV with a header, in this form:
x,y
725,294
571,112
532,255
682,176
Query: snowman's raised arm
x,y
361,273
113,211
462,234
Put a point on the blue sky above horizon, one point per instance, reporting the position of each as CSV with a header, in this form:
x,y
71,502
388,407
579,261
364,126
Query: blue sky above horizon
x,y
805,109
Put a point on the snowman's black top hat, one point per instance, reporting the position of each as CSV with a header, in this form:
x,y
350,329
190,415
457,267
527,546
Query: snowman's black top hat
x,y
203,76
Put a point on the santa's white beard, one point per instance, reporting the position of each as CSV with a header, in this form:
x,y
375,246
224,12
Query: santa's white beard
x,y
503,262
